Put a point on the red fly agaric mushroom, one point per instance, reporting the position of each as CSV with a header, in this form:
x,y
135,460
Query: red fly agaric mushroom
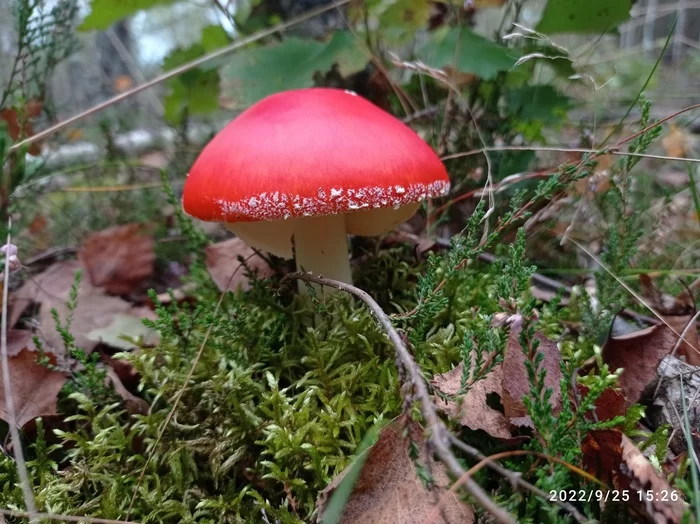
x,y
314,165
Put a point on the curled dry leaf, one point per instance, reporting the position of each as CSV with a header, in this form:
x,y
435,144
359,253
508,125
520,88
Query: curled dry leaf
x,y
472,409
34,387
388,489
515,382
613,458
134,405
118,258
222,263
639,354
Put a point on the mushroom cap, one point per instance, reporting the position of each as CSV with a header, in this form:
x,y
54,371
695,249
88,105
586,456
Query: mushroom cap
x,y
311,152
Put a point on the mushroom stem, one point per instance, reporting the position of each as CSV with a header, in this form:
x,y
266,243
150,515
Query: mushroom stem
x,y
321,246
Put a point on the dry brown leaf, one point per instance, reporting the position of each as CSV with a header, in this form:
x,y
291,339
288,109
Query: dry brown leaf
x,y
134,405
690,345
35,388
17,132
515,382
613,458
388,490
51,285
608,405
94,312
222,262
474,412
677,142
639,353
118,258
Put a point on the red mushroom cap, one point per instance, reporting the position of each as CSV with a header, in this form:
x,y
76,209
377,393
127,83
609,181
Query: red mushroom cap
x,y
311,152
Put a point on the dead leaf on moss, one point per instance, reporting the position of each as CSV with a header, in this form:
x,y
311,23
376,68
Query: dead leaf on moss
x,y
515,382
98,318
51,285
35,388
222,262
614,459
134,405
118,258
639,354
472,409
608,405
388,489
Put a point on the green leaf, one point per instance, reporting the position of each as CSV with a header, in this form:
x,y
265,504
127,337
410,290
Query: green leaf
x,y
406,14
474,53
255,74
537,102
213,38
583,16
196,91
104,13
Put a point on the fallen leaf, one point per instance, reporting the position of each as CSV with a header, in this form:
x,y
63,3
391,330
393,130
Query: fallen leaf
x,y
614,459
34,387
639,355
222,263
388,489
472,409
51,285
515,382
93,322
118,258
134,405
97,318
608,405
690,345
19,132
124,325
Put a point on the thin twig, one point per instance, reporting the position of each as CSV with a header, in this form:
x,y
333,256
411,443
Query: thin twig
x,y
62,518
178,71
516,479
438,434
7,384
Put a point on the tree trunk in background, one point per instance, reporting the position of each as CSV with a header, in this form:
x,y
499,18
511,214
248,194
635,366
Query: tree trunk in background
x,y
112,64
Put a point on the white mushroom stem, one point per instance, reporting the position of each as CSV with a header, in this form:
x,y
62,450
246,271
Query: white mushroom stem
x,y
321,246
